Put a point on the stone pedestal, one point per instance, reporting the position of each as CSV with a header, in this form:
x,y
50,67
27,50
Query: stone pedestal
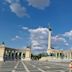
x,y
27,54
25,59
48,58
2,49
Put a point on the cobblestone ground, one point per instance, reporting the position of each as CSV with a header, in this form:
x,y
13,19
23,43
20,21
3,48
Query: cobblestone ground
x,y
33,66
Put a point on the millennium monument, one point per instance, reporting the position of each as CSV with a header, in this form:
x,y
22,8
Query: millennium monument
x,y
7,53
54,54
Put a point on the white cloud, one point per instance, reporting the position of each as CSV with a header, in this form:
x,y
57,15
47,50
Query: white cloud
x,y
39,30
40,4
25,28
71,48
16,7
39,38
58,39
66,44
37,48
12,1
16,38
60,42
68,34
9,1
35,43
21,11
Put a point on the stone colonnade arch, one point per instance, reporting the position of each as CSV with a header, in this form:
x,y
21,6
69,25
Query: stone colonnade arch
x,y
13,54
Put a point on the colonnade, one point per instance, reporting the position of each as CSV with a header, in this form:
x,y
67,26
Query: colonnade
x,y
68,54
57,54
62,55
13,55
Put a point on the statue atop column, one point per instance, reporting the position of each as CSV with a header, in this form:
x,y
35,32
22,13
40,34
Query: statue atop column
x,y
49,28
3,43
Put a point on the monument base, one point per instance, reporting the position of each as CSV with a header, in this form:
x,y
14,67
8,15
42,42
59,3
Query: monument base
x,y
49,58
27,59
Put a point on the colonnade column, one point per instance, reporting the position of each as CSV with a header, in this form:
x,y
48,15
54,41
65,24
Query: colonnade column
x,y
70,55
14,55
56,55
22,56
67,55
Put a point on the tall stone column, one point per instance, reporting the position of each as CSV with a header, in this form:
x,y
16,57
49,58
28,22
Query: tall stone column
x,y
49,40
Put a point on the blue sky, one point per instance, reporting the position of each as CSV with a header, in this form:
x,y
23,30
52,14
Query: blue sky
x,y
20,20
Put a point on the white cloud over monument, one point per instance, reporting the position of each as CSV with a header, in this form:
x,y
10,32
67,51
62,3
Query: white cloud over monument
x,y
39,40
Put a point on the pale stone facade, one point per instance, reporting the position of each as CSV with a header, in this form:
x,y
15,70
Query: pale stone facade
x,y
7,53
2,49
27,54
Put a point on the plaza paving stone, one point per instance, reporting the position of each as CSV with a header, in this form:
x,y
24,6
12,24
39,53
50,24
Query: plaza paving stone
x,y
33,66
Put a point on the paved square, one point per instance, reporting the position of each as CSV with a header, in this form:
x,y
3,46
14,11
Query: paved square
x,y
33,66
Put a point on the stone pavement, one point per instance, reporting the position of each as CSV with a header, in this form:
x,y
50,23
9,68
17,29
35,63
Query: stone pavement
x,y
33,66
